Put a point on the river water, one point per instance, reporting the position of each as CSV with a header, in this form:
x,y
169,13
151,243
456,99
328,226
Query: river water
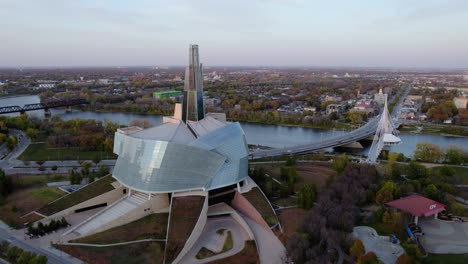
x,y
264,135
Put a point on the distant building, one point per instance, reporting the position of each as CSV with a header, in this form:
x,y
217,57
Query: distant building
x,y
465,76
334,108
103,81
379,98
460,102
46,86
414,97
312,109
167,94
333,98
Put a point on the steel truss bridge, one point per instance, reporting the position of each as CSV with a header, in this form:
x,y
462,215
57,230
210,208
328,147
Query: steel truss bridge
x,y
46,106
366,131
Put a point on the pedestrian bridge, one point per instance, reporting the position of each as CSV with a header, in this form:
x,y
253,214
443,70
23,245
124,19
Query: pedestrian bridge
x,y
380,126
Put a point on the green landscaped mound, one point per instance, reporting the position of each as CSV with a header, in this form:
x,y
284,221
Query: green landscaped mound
x,y
185,212
91,190
258,200
248,255
152,226
40,151
446,258
138,253
228,244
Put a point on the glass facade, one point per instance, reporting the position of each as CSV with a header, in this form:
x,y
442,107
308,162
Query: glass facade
x,y
157,166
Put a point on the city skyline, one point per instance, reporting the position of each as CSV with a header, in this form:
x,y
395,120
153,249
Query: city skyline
x,y
399,34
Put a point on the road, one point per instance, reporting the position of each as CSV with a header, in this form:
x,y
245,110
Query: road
x,y
361,133
52,258
11,165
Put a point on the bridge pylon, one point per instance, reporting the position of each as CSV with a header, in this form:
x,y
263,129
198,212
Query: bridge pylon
x,y
385,135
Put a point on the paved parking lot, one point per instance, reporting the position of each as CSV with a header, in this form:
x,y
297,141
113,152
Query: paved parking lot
x,y
443,237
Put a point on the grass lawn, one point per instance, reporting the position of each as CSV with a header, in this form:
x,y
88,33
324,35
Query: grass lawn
x,y
258,200
40,151
139,253
25,200
37,180
92,190
291,221
285,202
446,258
309,173
185,212
248,255
46,194
461,175
151,226
228,244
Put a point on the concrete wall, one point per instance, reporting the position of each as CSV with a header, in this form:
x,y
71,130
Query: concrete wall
x,y
108,197
199,226
157,204
241,204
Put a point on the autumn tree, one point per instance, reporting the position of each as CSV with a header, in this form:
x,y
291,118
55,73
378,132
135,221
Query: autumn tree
x,y
428,152
339,163
306,196
456,155
357,250
388,192
141,122
369,258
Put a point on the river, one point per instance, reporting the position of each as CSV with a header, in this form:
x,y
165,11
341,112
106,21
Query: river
x,y
256,134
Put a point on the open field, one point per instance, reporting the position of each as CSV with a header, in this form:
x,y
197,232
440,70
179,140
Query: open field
x,y
446,258
94,189
139,253
185,212
307,172
291,220
258,200
40,151
248,255
23,201
151,226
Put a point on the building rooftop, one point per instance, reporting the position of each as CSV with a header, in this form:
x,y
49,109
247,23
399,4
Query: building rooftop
x,y
417,205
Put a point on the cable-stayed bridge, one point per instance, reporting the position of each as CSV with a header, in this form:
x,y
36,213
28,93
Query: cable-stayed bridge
x,y
375,126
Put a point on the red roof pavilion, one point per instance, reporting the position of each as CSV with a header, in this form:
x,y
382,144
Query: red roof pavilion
x,y
417,205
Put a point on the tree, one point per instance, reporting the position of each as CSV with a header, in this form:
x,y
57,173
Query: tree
x,y
428,152
403,259
388,192
24,257
391,159
369,258
306,196
416,170
339,163
432,192
11,142
6,185
413,252
96,159
455,155
290,161
13,253
141,122
38,260
32,133
357,249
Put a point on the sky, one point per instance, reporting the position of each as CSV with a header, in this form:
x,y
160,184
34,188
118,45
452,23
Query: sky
x,y
332,33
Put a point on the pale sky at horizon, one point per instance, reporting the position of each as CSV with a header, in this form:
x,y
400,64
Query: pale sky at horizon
x,y
366,33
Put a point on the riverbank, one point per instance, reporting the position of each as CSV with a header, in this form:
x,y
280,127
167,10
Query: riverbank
x,y
436,130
